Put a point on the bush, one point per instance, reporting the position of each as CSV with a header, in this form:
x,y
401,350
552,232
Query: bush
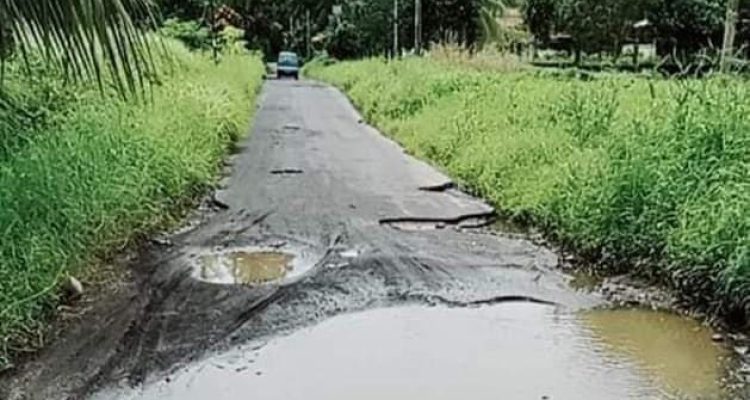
x,y
229,40
191,33
100,170
639,173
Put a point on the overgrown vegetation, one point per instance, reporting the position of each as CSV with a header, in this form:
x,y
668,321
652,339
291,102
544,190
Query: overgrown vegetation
x,y
84,172
637,174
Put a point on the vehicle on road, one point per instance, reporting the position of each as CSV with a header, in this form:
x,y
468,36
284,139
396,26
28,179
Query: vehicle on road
x,y
287,65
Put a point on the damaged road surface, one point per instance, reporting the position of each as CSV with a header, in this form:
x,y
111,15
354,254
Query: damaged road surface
x,y
339,267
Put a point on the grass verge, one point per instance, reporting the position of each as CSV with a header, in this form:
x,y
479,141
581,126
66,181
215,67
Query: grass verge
x,y
82,173
639,174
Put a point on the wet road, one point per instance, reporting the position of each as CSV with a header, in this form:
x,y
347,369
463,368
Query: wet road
x,y
367,228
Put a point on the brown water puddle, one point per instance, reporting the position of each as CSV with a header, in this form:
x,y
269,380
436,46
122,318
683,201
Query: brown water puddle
x,y
676,353
244,267
507,351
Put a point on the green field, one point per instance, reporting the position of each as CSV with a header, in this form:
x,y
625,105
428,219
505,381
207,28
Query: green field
x,y
83,173
634,173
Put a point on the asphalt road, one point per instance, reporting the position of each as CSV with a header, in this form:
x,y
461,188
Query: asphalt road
x,y
375,227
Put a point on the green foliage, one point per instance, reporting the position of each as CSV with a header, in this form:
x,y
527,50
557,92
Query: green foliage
x,y
540,17
198,37
83,38
95,171
686,26
364,28
193,34
680,26
182,9
232,40
638,173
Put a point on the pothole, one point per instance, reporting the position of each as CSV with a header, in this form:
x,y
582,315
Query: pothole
x,y
426,224
508,351
287,171
250,266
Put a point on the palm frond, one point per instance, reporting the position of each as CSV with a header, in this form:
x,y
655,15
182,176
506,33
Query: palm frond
x,y
490,11
85,38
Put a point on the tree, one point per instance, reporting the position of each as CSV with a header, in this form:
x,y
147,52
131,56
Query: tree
x,y
489,12
83,37
364,28
541,18
683,27
686,26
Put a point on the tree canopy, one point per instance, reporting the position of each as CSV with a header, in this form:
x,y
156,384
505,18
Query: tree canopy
x,y
680,27
364,27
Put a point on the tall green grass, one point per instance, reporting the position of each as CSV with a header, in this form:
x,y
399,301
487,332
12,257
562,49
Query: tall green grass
x,y
81,173
637,173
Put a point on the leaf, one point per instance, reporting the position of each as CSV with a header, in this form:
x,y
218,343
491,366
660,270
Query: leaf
x,y
84,37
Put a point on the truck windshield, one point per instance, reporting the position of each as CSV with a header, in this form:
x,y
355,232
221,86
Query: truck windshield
x,y
288,60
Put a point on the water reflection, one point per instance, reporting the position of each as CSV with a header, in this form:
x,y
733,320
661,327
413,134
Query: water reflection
x,y
244,267
507,351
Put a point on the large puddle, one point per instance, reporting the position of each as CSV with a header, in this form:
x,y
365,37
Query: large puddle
x,y
507,351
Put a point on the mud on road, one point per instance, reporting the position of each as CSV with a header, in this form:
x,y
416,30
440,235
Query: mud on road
x,y
341,220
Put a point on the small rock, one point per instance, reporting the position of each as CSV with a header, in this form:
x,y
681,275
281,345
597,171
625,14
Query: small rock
x,y
717,337
74,288
258,373
741,350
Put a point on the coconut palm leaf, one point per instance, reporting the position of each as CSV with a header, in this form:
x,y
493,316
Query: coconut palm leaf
x,y
85,38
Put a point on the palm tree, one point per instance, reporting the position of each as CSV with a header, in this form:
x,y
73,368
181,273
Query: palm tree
x,y
489,12
85,38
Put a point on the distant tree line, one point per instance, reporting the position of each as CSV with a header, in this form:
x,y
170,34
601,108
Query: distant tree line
x,y
363,28
680,28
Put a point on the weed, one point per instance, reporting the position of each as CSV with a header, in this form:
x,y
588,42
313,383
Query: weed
x,y
641,173
96,170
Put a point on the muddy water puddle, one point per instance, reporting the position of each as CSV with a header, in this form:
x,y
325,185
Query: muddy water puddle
x,y
676,353
249,266
507,351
